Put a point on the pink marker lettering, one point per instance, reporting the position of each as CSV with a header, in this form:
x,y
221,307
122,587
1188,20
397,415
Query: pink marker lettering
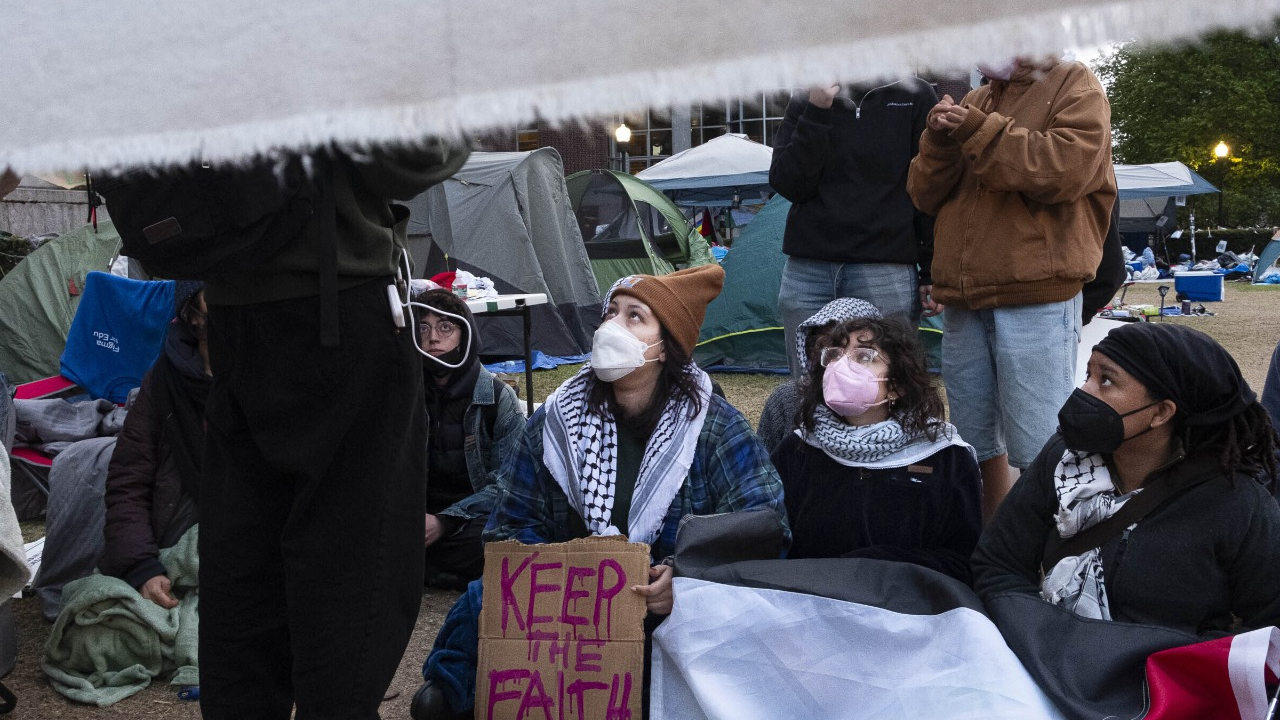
x,y
497,678
604,594
570,595
535,589
586,657
506,585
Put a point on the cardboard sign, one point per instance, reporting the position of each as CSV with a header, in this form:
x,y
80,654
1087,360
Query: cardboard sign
x,y
561,632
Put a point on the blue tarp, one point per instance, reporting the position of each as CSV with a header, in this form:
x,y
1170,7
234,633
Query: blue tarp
x,y
540,362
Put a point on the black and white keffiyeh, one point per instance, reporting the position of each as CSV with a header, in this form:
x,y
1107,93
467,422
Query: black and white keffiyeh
x,y
579,448
879,445
1086,497
837,310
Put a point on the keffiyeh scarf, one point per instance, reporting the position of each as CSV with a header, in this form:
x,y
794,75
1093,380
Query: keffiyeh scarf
x,y
880,445
579,448
1086,497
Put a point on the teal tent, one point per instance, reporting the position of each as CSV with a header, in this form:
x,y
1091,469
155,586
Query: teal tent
x,y
743,328
39,297
1267,259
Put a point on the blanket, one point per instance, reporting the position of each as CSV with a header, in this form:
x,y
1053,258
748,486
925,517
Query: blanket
x,y
14,572
109,642
52,425
409,68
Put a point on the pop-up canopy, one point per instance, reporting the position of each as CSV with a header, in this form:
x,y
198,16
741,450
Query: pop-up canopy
x,y
712,173
1159,180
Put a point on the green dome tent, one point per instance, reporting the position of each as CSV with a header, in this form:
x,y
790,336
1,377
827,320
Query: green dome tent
x,y
39,297
630,228
743,328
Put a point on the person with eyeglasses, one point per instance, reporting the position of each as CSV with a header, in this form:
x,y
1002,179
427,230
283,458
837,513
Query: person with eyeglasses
x,y
473,422
871,470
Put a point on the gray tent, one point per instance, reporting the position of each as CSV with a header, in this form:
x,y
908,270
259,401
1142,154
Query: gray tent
x,y
506,216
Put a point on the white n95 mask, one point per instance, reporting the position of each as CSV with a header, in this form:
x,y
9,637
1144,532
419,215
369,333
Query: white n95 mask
x,y
615,352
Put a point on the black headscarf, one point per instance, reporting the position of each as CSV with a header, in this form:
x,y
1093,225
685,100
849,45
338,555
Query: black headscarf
x,y
1184,365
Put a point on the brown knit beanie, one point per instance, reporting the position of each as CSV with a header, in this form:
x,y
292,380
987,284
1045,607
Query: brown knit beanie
x,y
679,300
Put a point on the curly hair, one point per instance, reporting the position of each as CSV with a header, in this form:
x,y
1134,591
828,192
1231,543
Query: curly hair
x,y
918,407
673,383
1244,444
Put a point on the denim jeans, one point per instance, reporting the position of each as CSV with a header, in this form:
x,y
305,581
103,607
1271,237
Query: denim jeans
x,y
807,285
1007,372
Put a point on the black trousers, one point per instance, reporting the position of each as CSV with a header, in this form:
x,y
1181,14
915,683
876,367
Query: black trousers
x,y
310,509
454,561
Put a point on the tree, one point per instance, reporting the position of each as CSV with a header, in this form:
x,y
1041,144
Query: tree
x,y
1176,102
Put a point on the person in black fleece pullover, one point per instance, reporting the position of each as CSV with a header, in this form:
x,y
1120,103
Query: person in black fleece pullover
x,y
841,158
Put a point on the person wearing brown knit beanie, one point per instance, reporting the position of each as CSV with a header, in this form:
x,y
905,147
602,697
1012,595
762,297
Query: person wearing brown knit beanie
x,y
630,445
678,300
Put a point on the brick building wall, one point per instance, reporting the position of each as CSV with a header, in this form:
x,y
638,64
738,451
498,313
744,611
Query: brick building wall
x,y
585,145
582,146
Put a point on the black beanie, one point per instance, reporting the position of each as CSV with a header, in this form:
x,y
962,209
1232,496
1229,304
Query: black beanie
x,y
1183,365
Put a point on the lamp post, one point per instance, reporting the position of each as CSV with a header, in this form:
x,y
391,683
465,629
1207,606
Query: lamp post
x,y
1221,152
623,136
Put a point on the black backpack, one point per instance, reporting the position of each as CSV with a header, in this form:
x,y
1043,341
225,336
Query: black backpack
x,y
202,222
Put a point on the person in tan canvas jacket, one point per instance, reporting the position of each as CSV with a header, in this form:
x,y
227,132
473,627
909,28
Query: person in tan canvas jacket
x,y
1019,176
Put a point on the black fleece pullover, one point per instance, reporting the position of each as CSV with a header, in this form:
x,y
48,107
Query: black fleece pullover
x,y
844,169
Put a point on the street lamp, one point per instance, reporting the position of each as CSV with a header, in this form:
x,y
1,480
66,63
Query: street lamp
x,y
1221,152
623,136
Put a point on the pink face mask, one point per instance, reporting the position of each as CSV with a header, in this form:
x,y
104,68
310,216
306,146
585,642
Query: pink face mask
x,y
850,389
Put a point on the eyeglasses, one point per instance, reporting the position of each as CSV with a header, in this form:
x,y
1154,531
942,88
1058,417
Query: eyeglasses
x,y
444,328
860,355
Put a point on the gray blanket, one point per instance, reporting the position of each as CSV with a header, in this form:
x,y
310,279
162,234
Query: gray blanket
x,y
74,518
53,424
14,572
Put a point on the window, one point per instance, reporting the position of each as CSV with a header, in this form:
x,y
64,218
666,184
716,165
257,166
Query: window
x,y
650,139
759,116
527,140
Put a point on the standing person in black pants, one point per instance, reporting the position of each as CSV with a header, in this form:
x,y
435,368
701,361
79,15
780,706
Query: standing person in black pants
x,y
314,491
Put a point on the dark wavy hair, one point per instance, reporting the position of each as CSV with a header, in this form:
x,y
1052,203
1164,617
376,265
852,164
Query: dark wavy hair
x,y
918,407
673,383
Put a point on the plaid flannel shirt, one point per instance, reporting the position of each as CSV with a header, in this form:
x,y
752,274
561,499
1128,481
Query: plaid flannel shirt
x,y
731,471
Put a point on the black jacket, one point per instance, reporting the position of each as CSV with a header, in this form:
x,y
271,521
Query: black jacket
x,y
844,169
449,480
153,478
1205,555
928,513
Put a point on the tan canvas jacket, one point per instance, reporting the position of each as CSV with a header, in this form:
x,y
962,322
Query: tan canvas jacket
x,y
1022,190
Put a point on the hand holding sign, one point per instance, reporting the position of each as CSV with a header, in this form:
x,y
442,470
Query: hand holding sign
x,y
562,629
657,594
